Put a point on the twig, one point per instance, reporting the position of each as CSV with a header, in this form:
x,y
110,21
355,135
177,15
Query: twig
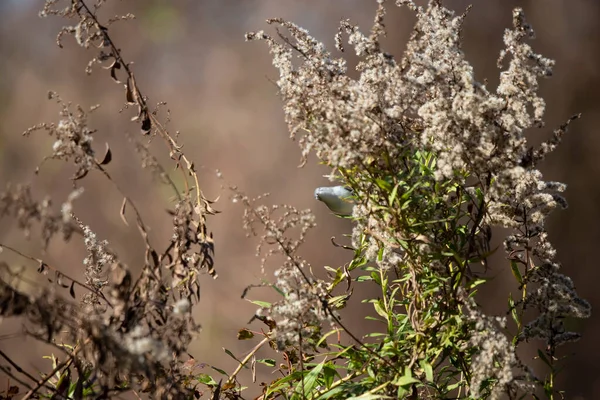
x,y
245,360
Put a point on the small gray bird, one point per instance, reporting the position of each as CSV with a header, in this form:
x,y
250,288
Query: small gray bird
x,y
337,198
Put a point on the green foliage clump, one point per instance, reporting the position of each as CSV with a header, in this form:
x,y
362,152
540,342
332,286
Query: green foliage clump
x,y
435,162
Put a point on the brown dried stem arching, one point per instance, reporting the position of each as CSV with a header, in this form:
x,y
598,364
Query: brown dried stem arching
x,y
126,332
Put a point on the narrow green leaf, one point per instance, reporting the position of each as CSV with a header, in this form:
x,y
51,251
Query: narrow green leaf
x,y
325,336
516,272
392,196
385,185
376,278
331,393
259,303
219,371
267,361
284,382
369,396
310,381
380,310
364,278
230,354
513,310
544,358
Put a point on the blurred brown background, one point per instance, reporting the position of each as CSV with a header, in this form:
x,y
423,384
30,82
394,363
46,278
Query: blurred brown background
x,y
192,54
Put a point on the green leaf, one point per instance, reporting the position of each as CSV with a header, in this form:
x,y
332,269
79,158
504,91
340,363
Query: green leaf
x,y
383,184
281,293
513,310
262,304
220,371
544,358
310,381
454,386
230,354
339,276
516,271
325,336
428,370
392,196
267,361
405,380
380,310
206,379
477,282
283,383
330,393
369,396
339,301
329,374
376,277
